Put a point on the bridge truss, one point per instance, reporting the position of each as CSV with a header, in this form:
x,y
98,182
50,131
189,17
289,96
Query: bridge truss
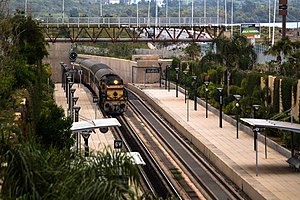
x,y
130,32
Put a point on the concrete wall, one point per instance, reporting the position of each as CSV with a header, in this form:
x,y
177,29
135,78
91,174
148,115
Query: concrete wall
x,y
131,71
58,52
124,68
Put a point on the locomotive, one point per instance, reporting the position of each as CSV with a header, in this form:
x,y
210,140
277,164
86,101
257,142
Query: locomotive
x,y
105,83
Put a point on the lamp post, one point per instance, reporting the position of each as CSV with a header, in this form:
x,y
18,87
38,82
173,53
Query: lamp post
x,y
237,105
166,79
221,104
255,110
71,95
74,101
160,64
62,73
206,97
185,74
68,81
76,109
195,92
168,71
177,78
86,135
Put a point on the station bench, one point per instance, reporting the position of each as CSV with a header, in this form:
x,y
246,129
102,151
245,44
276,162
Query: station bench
x,y
294,163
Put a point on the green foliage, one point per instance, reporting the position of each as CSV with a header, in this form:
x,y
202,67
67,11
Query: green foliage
x,y
53,129
286,92
193,51
237,77
31,44
276,96
33,173
235,52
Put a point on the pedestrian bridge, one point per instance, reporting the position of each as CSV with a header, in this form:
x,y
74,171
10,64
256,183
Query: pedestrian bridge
x,y
131,29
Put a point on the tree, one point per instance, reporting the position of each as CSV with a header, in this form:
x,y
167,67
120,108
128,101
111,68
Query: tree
x,y
236,52
53,129
33,173
287,49
193,51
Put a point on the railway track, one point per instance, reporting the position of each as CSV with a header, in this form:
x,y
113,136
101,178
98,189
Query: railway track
x,y
188,170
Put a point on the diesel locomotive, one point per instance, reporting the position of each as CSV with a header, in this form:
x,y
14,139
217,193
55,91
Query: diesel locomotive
x,y
105,83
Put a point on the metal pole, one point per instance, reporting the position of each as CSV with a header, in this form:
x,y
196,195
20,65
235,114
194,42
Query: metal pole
x,y
221,103
225,13
177,70
168,79
220,123
269,10
86,143
195,92
232,16
218,11
76,108
179,10
206,106
256,150
185,89
160,64
274,20
193,16
195,97
237,121
137,13
63,10
187,110
86,147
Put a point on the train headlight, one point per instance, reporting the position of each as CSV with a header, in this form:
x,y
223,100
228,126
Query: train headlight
x,y
116,82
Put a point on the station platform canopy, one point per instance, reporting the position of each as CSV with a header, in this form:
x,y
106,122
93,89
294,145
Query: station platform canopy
x,y
136,158
266,123
94,124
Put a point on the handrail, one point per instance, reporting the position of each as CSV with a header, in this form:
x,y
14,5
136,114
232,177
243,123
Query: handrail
x,y
131,21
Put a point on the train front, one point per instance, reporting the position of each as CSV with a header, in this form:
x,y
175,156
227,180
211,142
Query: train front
x,y
116,95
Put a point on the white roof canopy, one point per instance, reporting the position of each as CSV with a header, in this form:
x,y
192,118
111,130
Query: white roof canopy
x,y
265,123
93,124
136,158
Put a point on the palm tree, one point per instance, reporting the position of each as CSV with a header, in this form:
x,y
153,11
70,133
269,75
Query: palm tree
x,y
32,173
193,51
287,49
235,53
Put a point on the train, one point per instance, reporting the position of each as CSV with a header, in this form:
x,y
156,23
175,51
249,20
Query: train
x,y
104,83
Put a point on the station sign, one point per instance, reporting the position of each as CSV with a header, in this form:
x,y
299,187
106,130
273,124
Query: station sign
x,y
152,70
283,7
118,144
250,31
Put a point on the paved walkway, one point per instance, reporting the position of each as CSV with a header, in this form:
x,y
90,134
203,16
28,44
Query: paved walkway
x,y
275,179
88,111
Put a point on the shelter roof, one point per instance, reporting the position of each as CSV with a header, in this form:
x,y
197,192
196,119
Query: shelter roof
x,y
93,124
265,123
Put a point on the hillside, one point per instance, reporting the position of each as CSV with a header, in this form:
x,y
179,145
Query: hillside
x,y
245,11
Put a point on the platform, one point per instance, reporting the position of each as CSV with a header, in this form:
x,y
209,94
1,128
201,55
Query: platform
x,y
88,111
236,157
